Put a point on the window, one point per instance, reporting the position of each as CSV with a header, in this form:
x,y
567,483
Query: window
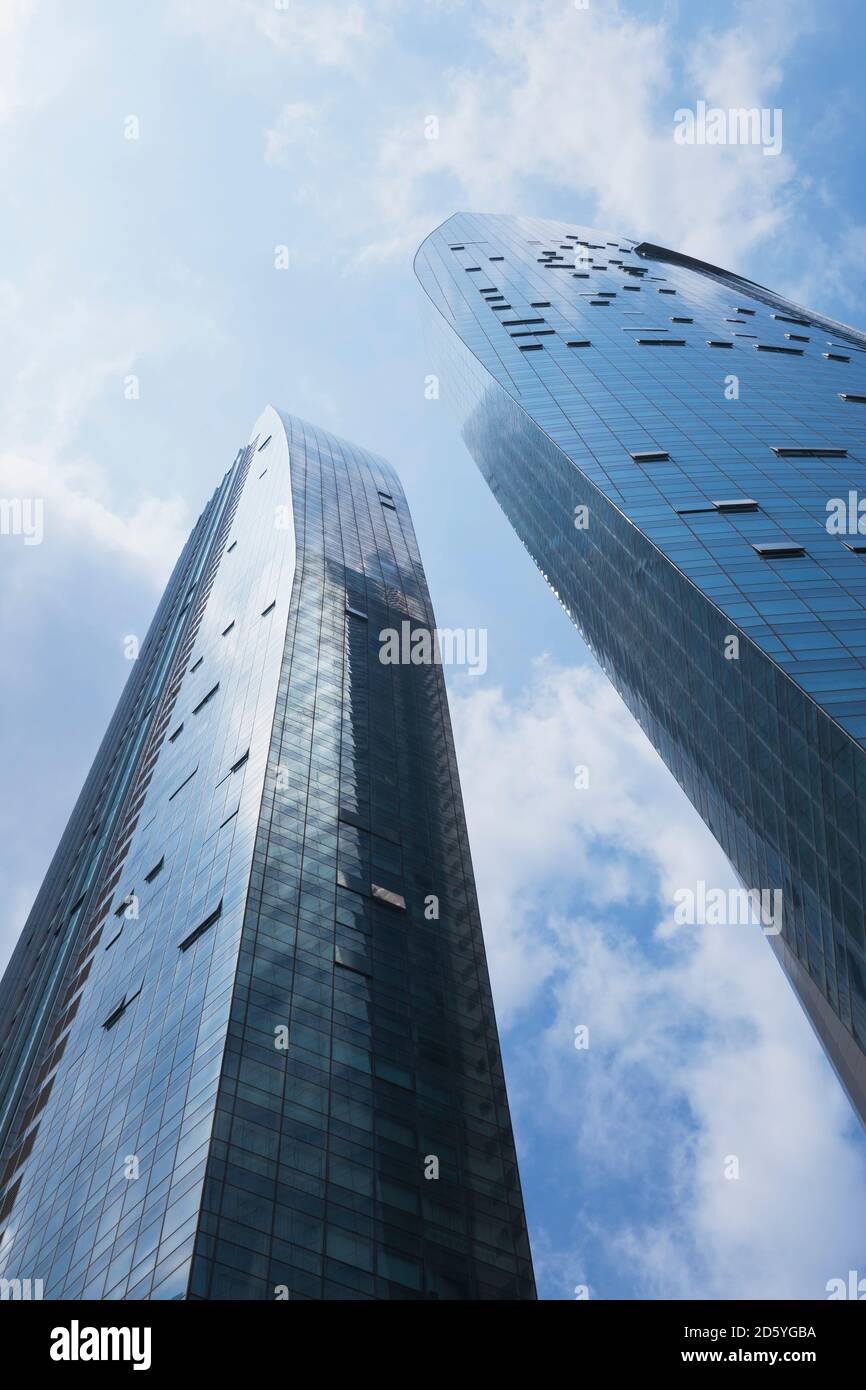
x,y
385,895
264,444
798,337
177,733
540,304
352,960
183,783
518,323
835,357
355,612
661,342
650,455
209,696
534,333
667,291
157,869
784,318
736,504
635,289
773,347
779,550
681,320
263,472
226,630
531,347
196,664
579,342
858,547
201,928
270,608
115,1014
124,904
738,309
719,342
8,1201
231,547
846,396
811,451
132,992
236,767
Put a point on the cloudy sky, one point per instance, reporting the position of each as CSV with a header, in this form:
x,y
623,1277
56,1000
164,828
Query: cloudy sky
x,y
153,158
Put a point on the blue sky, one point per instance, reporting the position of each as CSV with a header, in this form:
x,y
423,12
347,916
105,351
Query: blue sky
x,y
260,127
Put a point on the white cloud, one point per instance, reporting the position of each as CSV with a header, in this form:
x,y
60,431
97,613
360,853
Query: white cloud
x,y
545,829
698,1048
73,496
15,18
37,59
582,101
306,31
294,125
61,364
65,352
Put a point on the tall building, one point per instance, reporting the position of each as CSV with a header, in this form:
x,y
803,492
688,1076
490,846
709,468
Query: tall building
x,y
682,453
248,1043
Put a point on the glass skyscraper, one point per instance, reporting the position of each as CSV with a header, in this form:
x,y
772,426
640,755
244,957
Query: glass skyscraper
x,y
682,453
248,1047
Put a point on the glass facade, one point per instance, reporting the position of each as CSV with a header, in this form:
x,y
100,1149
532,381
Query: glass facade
x,y
670,442
248,1048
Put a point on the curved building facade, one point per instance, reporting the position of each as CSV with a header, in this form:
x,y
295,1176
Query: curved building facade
x,y
248,1048
683,454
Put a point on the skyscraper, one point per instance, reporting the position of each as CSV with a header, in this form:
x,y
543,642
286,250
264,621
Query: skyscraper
x,y
248,1042
682,453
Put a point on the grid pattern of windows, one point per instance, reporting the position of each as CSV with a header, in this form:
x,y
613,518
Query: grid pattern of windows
x,y
257,1037
362,1052
769,747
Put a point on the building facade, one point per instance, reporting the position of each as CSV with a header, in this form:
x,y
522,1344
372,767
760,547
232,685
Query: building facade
x,y
247,1041
682,453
